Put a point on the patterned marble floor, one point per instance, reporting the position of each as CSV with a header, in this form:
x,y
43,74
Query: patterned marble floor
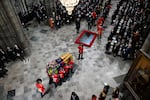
x,y
90,75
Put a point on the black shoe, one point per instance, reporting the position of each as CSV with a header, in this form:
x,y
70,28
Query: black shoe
x,y
124,59
82,58
42,96
2,76
6,74
72,72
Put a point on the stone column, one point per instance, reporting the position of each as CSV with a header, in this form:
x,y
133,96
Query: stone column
x,y
11,31
19,5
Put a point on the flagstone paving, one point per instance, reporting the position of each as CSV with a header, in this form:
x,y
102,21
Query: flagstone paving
x,y
90,73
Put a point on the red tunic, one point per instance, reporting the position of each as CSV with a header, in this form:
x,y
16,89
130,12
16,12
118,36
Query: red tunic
x,y
94,15
61,73
100,21
51,22
80,48
71,62
70,66
55,78
66,68
99,30
40,87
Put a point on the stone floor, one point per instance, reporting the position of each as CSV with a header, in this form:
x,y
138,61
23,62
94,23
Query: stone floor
x,y
90,75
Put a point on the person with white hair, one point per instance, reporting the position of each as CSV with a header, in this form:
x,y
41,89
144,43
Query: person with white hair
x,y
19,52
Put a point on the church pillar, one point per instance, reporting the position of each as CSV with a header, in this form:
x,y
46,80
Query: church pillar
x,y
19,6
11,31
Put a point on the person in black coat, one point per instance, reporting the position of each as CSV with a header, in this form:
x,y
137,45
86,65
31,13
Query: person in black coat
x,y
57,22
108,45
116,50
74,96
113,18
77,24
127,51
3,69
89,21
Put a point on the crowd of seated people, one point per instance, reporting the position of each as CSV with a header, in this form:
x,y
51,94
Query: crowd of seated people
x,y
128,34
85,8
37,11
11,54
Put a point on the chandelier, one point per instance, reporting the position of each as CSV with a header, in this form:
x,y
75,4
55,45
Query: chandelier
x,y
69,4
